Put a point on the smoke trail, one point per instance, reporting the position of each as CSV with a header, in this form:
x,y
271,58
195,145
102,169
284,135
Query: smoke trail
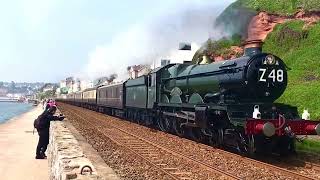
x,y
147,43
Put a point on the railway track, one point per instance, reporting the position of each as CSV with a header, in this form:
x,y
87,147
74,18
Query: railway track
x,y
150,151
154,154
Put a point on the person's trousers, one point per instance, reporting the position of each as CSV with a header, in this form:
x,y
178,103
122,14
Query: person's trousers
x,y
43,141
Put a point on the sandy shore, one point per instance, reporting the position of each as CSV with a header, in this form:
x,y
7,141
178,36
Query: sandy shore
x,y
17,149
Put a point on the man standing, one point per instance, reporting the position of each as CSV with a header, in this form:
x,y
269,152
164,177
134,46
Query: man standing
x,y
43,130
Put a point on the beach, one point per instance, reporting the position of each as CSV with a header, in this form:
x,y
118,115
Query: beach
x,y
17,149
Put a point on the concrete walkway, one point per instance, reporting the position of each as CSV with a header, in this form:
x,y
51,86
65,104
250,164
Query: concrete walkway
x,y
17,149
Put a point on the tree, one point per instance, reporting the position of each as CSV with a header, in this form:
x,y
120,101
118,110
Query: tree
x,y
64,90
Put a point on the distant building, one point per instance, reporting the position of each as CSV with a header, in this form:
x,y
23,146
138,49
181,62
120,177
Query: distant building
x,y
16,95
48,87
85,84
138,70
58,91
63,83
76,85
69,84
3,92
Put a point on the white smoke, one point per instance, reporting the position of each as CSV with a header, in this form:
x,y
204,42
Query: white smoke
x,y
147,43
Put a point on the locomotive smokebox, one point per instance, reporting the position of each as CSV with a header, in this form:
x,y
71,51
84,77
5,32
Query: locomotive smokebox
x,y
252,47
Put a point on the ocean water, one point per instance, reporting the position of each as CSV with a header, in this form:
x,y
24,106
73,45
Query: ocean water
x,y
9,110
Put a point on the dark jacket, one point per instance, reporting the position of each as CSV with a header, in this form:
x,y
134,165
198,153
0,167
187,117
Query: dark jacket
x,y
45,119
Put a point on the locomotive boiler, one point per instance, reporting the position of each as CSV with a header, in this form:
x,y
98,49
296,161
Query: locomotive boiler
x,y
258,78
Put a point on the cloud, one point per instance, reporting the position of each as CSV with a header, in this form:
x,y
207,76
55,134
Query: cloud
x,y
156,39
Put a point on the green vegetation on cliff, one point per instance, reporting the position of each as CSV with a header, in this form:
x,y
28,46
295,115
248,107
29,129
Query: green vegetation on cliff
x,y
236,17
283,7
220,47
299,48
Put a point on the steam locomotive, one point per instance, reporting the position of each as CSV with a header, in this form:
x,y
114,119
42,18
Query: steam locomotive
x,y
227,104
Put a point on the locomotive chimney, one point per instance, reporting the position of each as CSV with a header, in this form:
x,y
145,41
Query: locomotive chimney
x,y
252,47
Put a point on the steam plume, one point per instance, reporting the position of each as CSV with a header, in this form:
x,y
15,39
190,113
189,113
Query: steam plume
x,y
147,43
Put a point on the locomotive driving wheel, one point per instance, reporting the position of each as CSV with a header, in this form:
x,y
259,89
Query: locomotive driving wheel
x,y
164,124
251,148
246,146
213,138
198,135
188,133
177,127
195,134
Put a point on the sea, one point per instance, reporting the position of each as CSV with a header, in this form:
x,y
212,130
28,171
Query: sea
x,y
9,110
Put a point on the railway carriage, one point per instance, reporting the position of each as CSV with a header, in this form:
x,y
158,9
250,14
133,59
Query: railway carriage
x,y
89,98
69,99
78,98
110,99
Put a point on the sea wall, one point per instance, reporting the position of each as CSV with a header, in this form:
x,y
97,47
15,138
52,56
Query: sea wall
x,y
65,156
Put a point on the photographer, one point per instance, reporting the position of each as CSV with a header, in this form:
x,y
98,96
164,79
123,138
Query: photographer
x,y
43,130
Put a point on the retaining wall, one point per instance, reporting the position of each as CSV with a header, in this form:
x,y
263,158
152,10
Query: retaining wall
x,y
65,156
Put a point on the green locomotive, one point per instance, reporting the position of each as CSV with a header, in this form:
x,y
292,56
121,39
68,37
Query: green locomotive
x,y
229,103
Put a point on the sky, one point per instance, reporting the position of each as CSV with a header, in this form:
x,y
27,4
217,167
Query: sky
x,y
49,40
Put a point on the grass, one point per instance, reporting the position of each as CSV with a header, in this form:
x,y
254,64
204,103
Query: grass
x,y
308,146
283,7
299,48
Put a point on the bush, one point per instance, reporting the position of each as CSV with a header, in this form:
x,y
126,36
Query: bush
x,y
220,47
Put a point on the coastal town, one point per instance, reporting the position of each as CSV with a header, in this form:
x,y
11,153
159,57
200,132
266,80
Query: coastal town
x,y
25,92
